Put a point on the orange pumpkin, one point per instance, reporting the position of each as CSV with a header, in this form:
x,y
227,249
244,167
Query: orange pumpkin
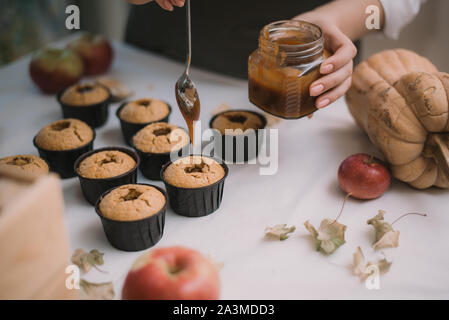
x,y
402,102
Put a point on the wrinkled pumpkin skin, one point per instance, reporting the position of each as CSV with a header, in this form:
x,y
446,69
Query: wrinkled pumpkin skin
x,y
402,102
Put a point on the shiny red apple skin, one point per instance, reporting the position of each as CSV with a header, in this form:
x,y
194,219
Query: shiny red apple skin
x,y
53,70
173,273
363,176
96,52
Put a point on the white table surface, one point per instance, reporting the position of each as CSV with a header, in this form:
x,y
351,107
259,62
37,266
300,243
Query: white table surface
x,y
305,187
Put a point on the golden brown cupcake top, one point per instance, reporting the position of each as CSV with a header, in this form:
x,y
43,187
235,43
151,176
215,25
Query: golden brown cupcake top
x,y
193,172
64,134
85,94
160,137
26,162
144,111
106,164
132,202
236,120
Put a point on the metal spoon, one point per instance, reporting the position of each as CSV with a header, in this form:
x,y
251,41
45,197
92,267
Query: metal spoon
x,y
186,93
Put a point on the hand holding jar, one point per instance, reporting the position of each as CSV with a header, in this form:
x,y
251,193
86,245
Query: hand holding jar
x,y
337,69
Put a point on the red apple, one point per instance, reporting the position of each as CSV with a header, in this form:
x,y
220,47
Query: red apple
x,y
53,70
96,52
363,176
173,273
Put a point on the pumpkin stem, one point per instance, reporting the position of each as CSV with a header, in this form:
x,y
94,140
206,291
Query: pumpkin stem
x,y
439,148
407,214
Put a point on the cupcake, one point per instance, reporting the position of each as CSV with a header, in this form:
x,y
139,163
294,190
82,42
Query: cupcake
x,y
239,130
194,185
88,102
102,169
154,144
26,162
62,142
135,115
133,216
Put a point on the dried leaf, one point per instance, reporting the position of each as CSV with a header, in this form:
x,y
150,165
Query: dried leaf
x,y
95,258
96,291
383,265
330,235
279,231
386,236
118,90
85,261
359,265
362,269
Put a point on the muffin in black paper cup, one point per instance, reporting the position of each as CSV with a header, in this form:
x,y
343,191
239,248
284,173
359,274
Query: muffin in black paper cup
x,y
151,163
249,143
93,188
62,161
135,235
195,202
129,129
95,115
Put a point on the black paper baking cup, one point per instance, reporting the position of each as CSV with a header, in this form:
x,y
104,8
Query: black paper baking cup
x,y
195,202
129,129
152,163
134,235
250,148
93,188
94,115
62,161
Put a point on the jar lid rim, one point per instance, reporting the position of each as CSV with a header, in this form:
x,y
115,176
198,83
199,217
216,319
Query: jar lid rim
x,y
273,25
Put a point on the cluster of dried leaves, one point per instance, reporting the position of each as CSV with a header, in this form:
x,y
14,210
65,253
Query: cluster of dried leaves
x,y
331,235
85,262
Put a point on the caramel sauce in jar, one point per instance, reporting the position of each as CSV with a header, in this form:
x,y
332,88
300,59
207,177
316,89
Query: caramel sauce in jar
x,y
282,68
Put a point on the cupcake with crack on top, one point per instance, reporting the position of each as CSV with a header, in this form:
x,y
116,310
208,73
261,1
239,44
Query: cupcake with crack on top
x,y
60,143
25,162
137,114
194,184
88,102
102,169
155,143
133,215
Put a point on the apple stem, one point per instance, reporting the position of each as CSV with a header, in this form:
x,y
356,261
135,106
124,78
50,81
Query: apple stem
x,y
407,214
342,207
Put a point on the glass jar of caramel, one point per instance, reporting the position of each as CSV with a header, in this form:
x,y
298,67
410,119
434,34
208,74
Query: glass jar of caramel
x,y
283,67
